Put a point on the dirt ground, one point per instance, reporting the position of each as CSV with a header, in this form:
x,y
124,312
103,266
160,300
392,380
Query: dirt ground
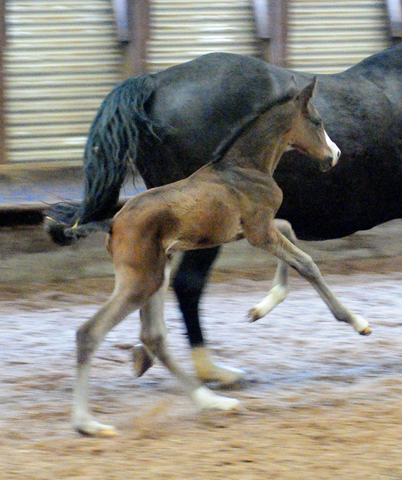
x,y
319,401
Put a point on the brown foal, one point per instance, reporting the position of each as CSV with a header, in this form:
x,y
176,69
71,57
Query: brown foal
x,y
233,197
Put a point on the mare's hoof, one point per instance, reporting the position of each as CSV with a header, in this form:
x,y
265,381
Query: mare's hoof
x,y
209,371
221,374
142,360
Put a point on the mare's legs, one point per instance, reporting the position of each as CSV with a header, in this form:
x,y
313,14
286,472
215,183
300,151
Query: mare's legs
x,y
282,248
189,284
279,291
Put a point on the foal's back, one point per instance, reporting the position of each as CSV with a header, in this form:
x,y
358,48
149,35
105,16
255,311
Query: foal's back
x,y
199,212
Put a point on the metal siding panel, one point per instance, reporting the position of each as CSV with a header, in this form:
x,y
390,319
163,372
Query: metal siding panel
x,y
330,36
62,59
181,31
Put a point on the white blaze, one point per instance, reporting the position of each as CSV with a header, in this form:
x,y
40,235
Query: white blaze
x,y
336,153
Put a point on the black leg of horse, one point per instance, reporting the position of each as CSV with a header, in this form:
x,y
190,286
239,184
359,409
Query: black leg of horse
x,y
189,284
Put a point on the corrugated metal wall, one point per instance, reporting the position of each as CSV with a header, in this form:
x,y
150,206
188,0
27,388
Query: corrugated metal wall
x,y
326,36
183,30
62,58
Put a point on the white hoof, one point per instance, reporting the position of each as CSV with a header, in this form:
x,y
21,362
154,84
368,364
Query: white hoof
x,y
88,426
208,400
208,371
222,374
361,325
275,296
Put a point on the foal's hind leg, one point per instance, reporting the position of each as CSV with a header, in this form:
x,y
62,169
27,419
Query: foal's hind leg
x,y
132,289
89,337
283,249
152,313
153,336
279,291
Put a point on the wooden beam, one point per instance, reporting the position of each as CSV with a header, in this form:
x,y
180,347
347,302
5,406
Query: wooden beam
x,y
138,25
278,26
271,21
3,151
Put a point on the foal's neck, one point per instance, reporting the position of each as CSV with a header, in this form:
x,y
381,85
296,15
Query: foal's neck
x,y
262,143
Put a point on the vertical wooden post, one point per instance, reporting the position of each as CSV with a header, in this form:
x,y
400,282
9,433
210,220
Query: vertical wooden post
x,y
271,20
3,151
138,21
278,25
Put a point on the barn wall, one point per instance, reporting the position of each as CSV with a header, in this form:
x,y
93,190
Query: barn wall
x,y
61,59
184,31
328,36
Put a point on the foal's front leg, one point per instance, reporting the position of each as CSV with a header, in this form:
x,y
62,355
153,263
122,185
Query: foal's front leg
x,y
283,249
279,290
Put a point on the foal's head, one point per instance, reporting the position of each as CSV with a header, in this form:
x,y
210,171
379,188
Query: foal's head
x,y
307,133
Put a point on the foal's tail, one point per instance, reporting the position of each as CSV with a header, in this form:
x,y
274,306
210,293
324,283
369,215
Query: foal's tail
x,y
111,149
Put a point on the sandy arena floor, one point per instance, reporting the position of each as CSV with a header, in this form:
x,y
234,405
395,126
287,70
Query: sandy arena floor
x,y
320,401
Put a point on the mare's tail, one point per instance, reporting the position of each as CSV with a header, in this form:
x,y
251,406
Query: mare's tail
x,y
110,151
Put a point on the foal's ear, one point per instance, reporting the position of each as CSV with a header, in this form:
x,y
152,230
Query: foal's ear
x,y
307,93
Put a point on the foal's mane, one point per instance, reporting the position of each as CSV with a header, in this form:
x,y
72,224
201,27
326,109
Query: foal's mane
x,y
238,129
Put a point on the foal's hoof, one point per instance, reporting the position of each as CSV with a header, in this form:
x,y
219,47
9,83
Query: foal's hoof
x,y
92,428
208,400
254,314
142,360
367,331
276,295
360,324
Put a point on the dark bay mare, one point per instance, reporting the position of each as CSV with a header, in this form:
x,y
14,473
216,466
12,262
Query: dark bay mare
x,y
233,197
168,125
